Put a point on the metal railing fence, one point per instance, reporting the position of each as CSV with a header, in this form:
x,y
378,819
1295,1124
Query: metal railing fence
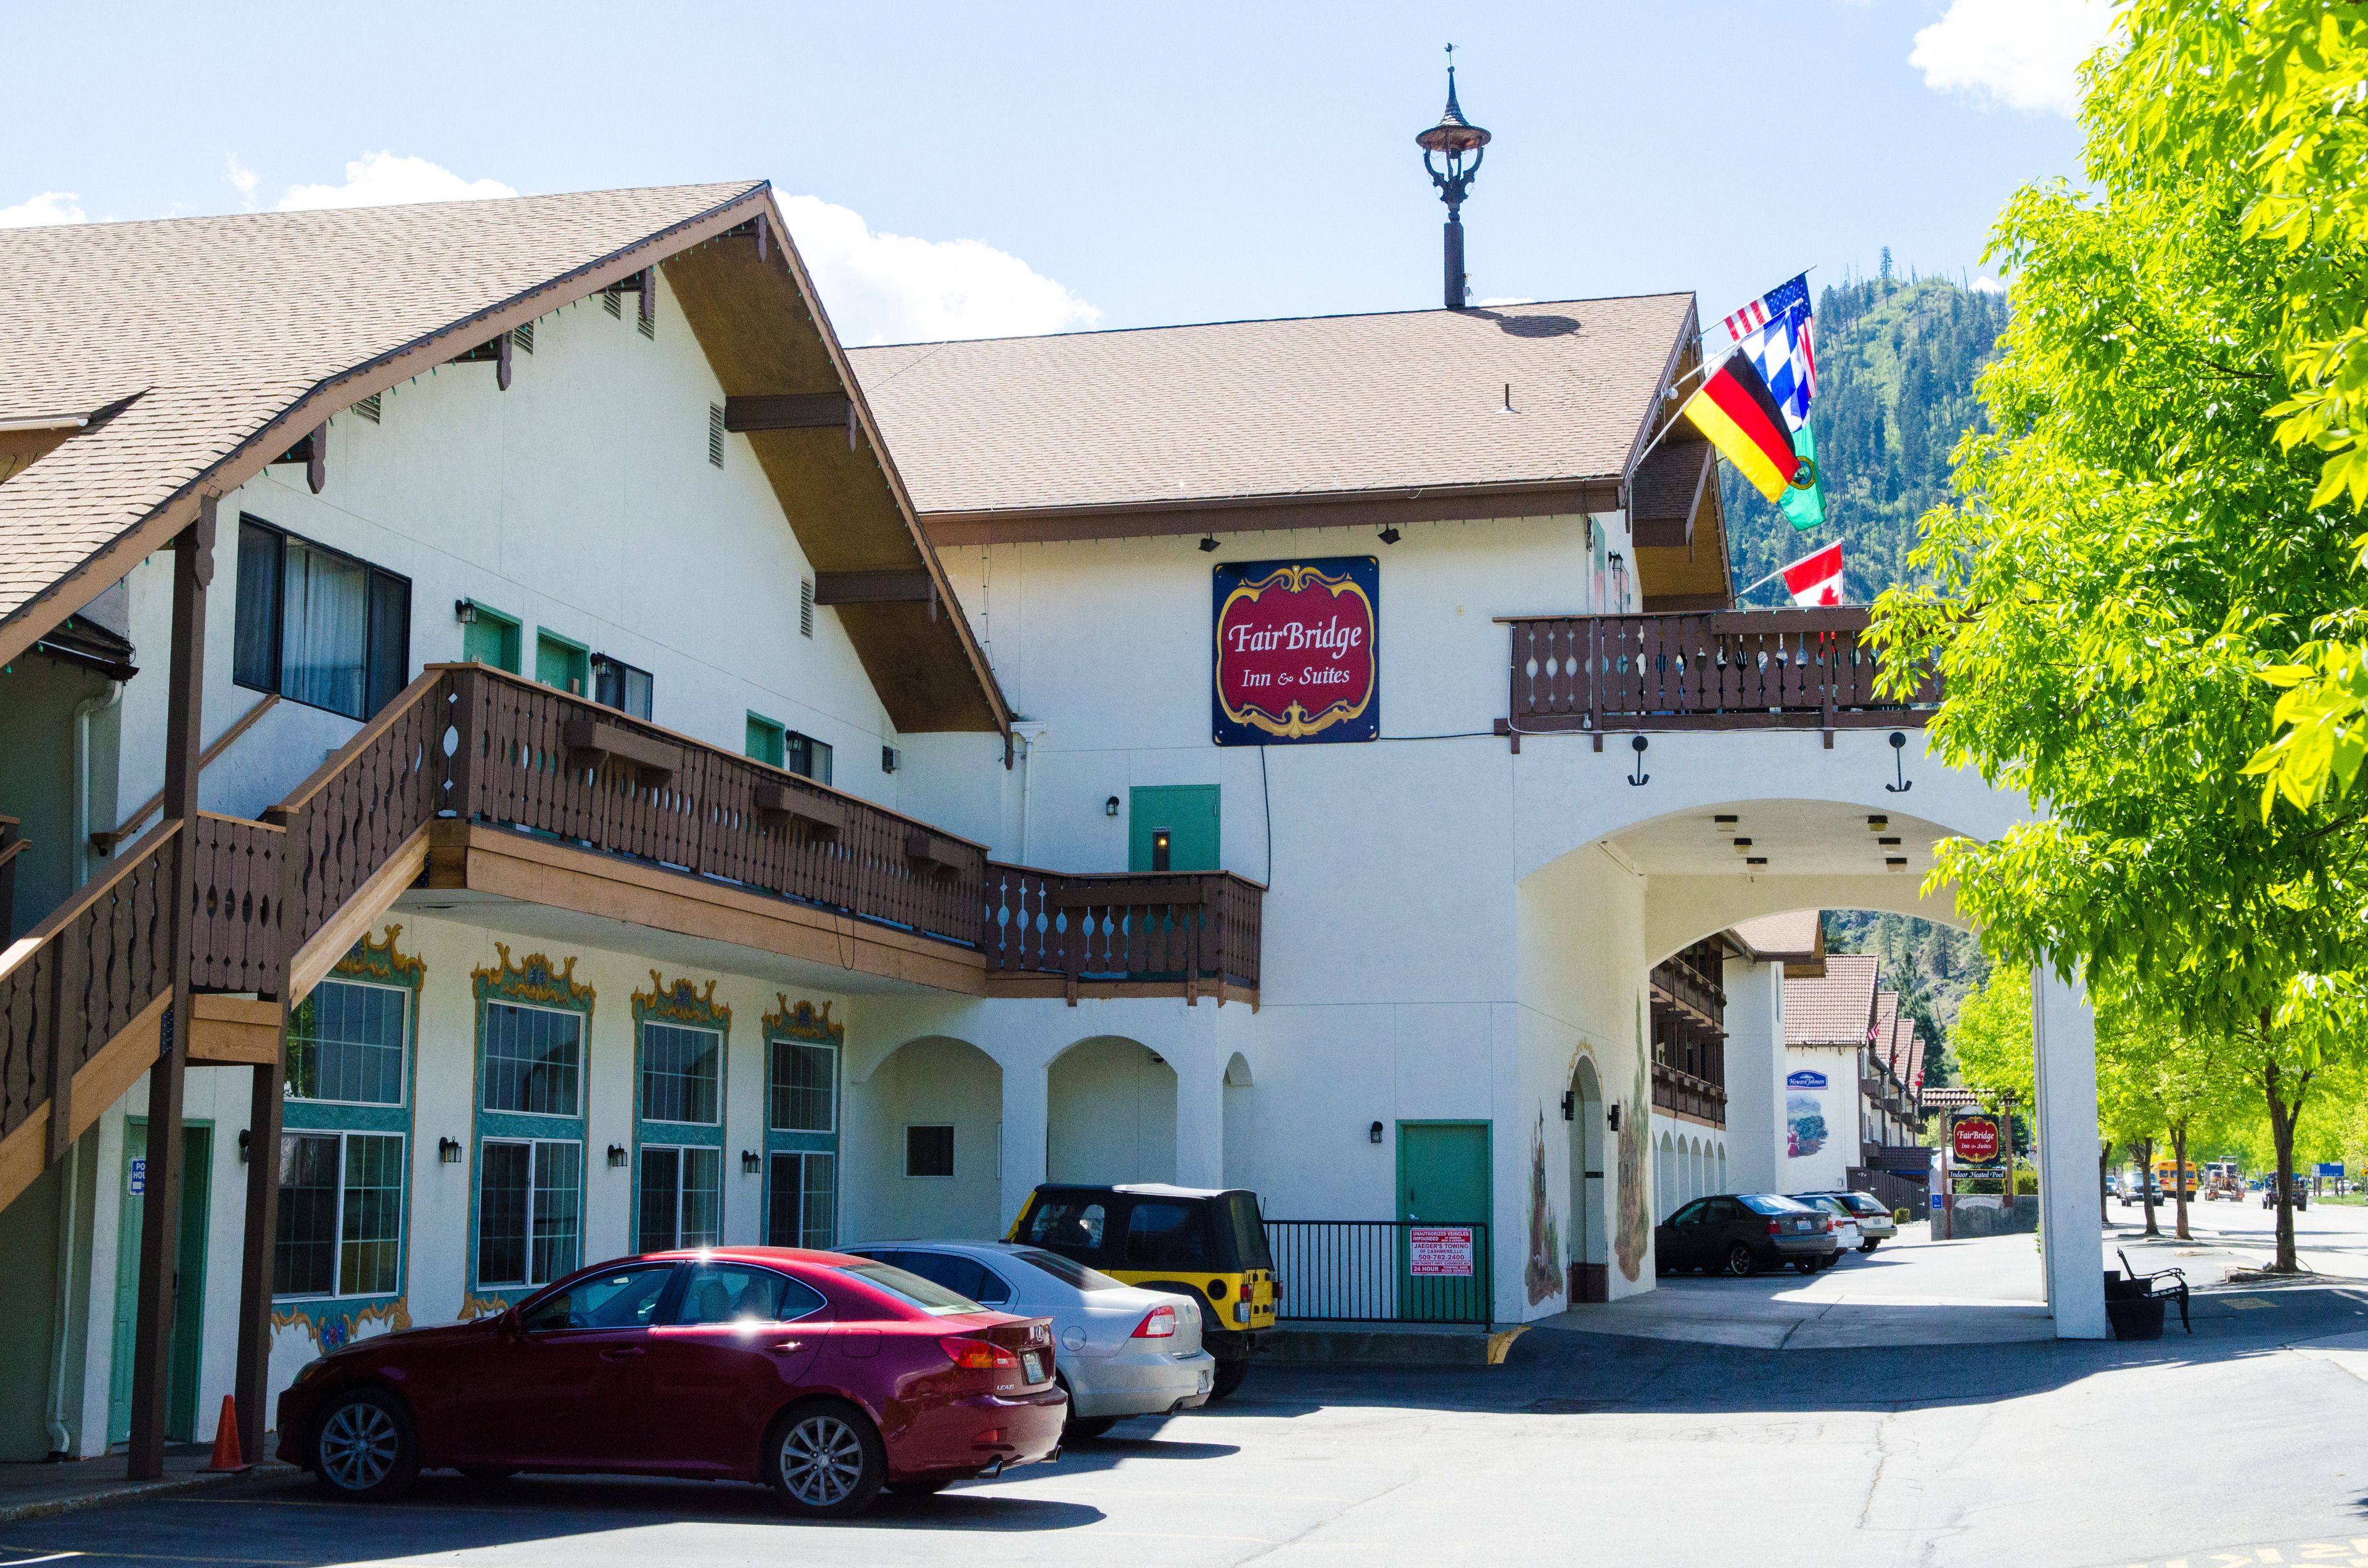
x,y
1383,1270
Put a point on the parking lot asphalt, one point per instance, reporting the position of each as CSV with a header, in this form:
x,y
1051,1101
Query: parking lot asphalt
x,y
1581,1448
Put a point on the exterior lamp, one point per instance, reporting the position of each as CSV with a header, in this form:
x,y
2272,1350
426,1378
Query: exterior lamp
x,y
1373,1133
1391,534
1570,1106
1109,807
1453,139
245,1140
448,1150
1618,581
1611,1116
749,1163
616,1156
1208,543
465,612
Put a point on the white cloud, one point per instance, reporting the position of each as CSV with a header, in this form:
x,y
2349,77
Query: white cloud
x,y
382,179
242,178
48,207
881,287
2023,53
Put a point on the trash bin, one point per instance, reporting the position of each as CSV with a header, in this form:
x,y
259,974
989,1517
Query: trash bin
x,y
2119,1289
2134,1317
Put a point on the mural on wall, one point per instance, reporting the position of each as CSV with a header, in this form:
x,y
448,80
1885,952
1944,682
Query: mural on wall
x,y
1634,1230
1805,1125
1543,1275
333,1327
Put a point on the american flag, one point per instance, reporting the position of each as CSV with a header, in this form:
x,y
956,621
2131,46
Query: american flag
x,y
1774,330
1774,305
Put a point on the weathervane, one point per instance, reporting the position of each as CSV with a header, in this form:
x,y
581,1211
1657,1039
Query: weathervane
x,y
1452,138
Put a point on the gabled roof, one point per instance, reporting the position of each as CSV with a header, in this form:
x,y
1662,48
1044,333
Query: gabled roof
x,y
181,356
1886,1026
1796,939
1836,1009
1177,428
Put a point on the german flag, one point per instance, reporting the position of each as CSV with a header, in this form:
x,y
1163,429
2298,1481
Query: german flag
x,y
1736,410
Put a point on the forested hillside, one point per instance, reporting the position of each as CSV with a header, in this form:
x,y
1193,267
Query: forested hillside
x,y
1895,367
1931,967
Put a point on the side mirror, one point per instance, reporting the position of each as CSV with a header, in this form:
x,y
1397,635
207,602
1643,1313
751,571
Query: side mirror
x,y
509,1325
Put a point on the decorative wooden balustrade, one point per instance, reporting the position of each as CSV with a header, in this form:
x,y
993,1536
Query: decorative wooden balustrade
x,y
1718,670
1680,1093
478,744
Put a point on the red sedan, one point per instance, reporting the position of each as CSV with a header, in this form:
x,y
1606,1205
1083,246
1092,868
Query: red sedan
x,y
824,1376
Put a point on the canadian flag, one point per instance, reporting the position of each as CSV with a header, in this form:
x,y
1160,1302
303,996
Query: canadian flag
x,y
1816,579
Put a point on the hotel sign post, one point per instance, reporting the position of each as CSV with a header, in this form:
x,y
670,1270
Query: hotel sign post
x,y
1295,658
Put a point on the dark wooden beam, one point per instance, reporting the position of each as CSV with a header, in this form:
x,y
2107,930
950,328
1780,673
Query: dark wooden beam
x,y
877,588
787,411
160,1219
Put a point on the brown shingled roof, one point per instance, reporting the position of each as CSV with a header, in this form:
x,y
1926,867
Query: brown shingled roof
x,y
1835,1010
1325,405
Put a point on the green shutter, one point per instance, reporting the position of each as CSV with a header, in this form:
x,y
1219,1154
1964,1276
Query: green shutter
x,y
491,638
764,740
563,664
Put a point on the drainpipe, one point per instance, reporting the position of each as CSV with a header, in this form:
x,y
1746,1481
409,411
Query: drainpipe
x,y
1030,732
61,1429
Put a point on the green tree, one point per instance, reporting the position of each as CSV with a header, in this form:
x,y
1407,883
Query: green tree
x,y
2132,545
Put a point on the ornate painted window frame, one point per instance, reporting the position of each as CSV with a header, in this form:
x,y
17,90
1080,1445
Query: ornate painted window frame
x,y
685,1005
532,981
807,1025
332,1321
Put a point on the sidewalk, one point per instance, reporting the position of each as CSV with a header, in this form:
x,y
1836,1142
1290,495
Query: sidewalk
x,y
36,1491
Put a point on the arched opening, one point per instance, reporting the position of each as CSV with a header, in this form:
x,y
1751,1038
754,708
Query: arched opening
x,y
1666,1196
1591,1229
929,1121
1241,1130
1110,1113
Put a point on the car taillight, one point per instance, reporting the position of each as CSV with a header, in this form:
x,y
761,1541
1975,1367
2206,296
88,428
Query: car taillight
x,y
1159,1323
1775,1227
977,1355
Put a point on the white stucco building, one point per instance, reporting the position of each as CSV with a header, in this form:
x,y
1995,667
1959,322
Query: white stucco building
x,y
672,779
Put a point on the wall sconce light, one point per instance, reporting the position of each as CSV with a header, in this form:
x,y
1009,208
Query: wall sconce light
x,y
448,1150
1109,807
245,1139
465,612
1878,825
1570,1106
749,1163
1373,1133
616,1156
1391,536
1618,581
1208,543
1611,1116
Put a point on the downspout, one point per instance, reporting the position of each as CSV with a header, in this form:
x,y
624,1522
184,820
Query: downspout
x,y
60,1430
1030,732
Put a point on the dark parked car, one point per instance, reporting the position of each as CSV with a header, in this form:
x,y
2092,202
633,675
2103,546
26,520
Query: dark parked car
x,y
824,1376
1744,1233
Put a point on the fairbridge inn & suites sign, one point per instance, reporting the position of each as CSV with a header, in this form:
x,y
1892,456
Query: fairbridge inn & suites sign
x,y
1295,651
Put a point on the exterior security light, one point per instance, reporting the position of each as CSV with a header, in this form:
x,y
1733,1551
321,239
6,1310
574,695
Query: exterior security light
x,y
1569,1105
749,1163
1109,807
1208,543
245,1140
465,612
1373,1133
1611,1116
1391,536
616,1156
448,1150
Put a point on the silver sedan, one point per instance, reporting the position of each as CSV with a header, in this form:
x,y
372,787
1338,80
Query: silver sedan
x,y
1124,1351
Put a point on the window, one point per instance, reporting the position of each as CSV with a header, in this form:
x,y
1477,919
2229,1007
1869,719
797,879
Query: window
x,y
800,1200
737,1292
763,743
530,1210
622,1298
682,1197
679,1071
340,1215
622,686
1065,1222
927,1294
963,1275
345,1044
799,1088
559,663
317,626
534,1060
1692,1214
1069,1271
929,1150
489,637
809,758
1162,1235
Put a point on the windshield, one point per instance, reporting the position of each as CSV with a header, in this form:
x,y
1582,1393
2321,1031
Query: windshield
x,y
1830,1205
1865,1205
1769,1203
927,1294
1068,1271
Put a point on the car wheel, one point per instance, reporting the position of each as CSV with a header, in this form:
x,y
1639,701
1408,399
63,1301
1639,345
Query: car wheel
x,y
1085,1428
365,1449
1739,1261
1229,1377
1869,1245
825,1460
919,1488
1808,1265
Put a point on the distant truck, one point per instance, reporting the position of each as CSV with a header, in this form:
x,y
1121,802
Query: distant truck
x,y
2222,1179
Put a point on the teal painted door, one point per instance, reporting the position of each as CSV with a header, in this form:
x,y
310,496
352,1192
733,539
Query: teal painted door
x,y
491,638
1172,827
1443,1181
188,1284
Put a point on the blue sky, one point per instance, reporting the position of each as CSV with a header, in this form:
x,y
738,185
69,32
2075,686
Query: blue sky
x,y
1110,166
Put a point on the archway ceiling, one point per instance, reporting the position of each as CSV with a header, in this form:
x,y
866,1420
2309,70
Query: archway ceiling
x,y
1797,839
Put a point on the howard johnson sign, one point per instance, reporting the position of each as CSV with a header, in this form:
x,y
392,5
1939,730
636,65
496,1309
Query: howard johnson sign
x,y
1294,657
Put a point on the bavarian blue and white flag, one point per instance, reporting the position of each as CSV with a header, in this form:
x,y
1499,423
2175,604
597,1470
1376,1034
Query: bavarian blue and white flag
x,y
1775,331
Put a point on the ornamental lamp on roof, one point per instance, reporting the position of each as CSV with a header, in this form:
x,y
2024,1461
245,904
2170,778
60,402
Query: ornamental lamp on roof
x,y
1453,139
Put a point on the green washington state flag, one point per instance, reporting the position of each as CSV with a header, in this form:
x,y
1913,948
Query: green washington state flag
x,y
1806,508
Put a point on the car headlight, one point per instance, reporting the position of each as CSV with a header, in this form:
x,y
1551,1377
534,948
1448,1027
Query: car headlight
x,y
305,1371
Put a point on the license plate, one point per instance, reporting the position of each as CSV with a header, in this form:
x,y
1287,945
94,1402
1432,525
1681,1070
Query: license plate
x,y
1033,1365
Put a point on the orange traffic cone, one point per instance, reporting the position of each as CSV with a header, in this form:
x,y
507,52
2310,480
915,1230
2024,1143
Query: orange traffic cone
x,y
226,1454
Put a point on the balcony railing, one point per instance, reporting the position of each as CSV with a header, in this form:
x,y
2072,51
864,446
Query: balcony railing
x,y
1682,1094
1720,669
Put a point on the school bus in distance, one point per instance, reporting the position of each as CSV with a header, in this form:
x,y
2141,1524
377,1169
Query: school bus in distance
x,y
2168,1172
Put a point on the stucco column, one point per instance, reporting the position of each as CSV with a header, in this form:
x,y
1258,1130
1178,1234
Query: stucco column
x,y
1025,1118
1200,1117
2070,1217
1755,1076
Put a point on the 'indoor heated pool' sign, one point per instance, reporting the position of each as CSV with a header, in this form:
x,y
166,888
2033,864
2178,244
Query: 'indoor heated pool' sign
x,y
1295,659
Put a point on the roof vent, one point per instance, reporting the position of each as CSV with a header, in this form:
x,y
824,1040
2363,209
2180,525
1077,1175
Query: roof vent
x,y
522,338
805,607
612,303
715,434
369,408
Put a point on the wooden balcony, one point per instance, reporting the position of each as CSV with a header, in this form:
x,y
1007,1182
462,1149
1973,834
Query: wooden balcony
x,y
1718,670
1680,1093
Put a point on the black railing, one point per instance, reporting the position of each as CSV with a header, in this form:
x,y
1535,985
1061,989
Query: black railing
x,y
1383,1270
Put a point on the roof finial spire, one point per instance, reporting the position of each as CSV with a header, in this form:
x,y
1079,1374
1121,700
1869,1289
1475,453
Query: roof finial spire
x,y
1454,138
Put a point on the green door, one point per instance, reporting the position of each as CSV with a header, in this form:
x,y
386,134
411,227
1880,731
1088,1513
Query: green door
x,y
491,637
1172,827
1443,1184
188,1283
